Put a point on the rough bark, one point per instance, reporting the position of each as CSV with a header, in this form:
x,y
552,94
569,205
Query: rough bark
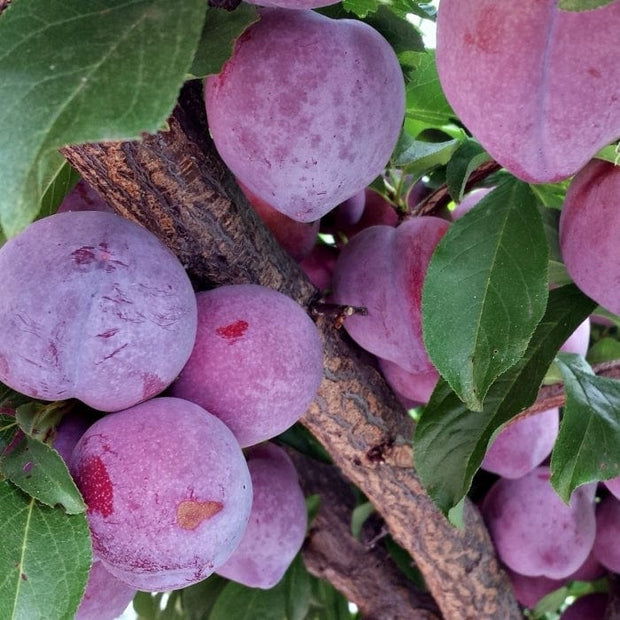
x,y
175,185
362,571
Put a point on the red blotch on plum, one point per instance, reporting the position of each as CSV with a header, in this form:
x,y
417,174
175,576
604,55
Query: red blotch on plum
x,y
233,331
96,486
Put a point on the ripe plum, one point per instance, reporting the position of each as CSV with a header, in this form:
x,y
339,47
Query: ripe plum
x,y
257,362
589,223
416,387
297,238
278,521
607,543
382,269
106,597
168,492
94,307
308,110
523,445
547,116
534,532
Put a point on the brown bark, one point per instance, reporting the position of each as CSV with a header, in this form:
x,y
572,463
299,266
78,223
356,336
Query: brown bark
x,y
362,571
550,396
175,185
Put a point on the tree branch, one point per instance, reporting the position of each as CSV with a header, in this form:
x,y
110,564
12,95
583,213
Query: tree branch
x,y
365,574
175,185
553,395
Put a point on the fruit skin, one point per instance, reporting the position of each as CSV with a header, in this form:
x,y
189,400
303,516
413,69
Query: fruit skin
x,y
257,361
557,105
83,198
589,222
297,238
106,597
382,269
523,445
308,110
278,521
94,307
415,387
607,543
168,492
532,529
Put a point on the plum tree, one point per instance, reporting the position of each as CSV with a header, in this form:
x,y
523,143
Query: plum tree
x,y
100,82
262,343
110,318
168,492
322,76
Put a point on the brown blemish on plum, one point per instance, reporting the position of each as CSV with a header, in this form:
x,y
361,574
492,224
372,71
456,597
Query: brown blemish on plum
x,y
191,513
96,487
233,331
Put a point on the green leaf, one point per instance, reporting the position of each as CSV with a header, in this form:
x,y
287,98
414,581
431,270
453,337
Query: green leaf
x,y
45,558
417,157
361,8
147,605
65,179
486,286
359,516
551,603
558,275
588,446
8,430
328,603
425,98
610,153
241,603
604,350
402,35
198,600
297,587
582,5
39,471
221,29
450,441
467,158
73,72
39,420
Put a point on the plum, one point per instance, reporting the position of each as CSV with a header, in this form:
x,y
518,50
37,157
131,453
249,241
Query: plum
x,y
168,492
278,521
534,532
523,444
308,109
382,269
94,307
106,597
589,223
536,85
257,362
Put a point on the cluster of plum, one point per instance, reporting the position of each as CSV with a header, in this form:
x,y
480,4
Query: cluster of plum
x,y
96,308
